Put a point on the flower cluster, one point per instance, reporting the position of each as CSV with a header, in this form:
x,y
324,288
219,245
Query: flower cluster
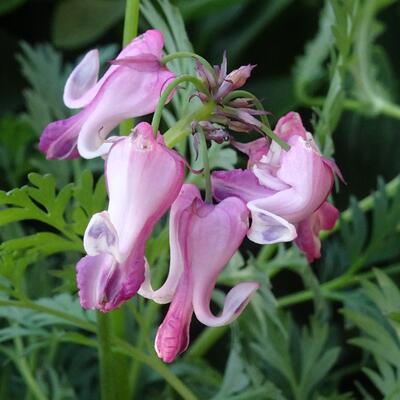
x,y
280,197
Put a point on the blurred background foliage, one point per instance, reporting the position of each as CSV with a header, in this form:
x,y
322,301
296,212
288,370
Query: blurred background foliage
x,y
337,63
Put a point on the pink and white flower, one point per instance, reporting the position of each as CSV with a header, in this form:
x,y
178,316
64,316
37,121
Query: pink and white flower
x,y
283,189
143,179
203,238
131,87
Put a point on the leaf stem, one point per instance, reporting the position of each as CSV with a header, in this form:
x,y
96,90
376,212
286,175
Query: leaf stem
x,y
155,123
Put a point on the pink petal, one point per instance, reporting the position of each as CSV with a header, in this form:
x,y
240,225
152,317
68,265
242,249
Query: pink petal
x,y
255,149
82,85
309,180
144,178
126,93
290,125
166,292
214,236
239,183
173,334
308,230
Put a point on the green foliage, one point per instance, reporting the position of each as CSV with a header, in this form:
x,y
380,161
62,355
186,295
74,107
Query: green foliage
x,y
64,213
381,337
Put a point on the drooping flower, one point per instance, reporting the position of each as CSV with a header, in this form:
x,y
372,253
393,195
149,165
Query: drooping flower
x,y
131,87
203,238
143,179
283,190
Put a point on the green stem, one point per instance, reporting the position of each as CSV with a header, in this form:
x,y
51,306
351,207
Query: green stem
x,y
206,165
155,123
131,23
107,379
187,54
338,283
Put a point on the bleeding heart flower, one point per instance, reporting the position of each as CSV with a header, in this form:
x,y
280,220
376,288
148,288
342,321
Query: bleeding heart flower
x,y
143,179
203,238
282,189
131,87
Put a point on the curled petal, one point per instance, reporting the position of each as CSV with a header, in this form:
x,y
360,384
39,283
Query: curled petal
x,y
215,234
80,88
268,228
166,292
235,302
308,230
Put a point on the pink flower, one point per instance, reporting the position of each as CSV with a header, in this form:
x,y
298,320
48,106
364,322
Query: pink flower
x,y
131,87
203,238
282,189
143,179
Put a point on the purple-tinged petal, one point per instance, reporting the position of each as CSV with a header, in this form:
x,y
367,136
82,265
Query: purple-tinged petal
x,y
80,88
290,125
166,292
308,230
105,284
59,138
238,183
141,62
268,228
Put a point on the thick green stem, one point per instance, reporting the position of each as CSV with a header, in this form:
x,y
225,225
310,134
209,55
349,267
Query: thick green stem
x,y
131,23
107,378
187,54
155,123
206,165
